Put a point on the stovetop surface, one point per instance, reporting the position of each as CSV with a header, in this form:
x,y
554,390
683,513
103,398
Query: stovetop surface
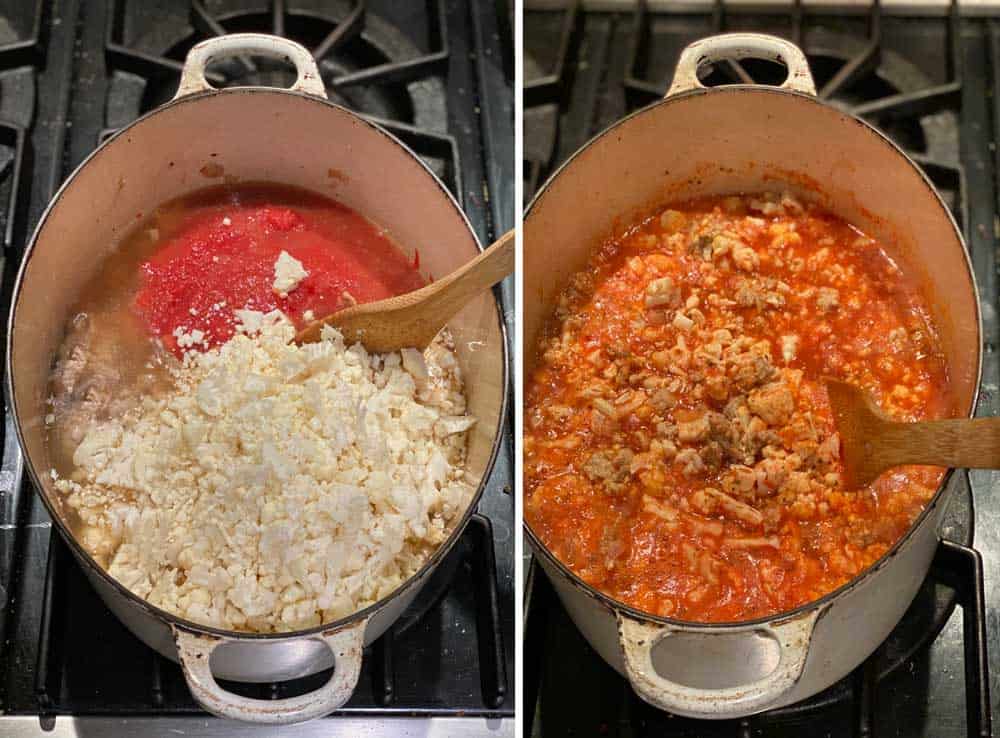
x,y
438,74
930,83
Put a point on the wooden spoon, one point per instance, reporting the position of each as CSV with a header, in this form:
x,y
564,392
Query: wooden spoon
x,y
413,319
871,442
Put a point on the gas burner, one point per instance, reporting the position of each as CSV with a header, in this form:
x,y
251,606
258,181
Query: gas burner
x,y
19,50
368,65
547,81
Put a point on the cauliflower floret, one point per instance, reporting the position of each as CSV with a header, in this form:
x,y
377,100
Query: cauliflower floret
x,y
288,273
663,292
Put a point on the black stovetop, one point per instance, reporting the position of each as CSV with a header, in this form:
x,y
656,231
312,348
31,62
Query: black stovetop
x,y
439,75
931,83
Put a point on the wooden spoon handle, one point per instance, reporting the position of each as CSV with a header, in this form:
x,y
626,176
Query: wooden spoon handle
x,y
968,444
451,293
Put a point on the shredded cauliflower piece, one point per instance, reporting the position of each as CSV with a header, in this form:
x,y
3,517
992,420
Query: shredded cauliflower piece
x,y
288,273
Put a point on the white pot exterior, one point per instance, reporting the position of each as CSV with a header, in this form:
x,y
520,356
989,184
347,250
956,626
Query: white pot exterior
x,y
725,140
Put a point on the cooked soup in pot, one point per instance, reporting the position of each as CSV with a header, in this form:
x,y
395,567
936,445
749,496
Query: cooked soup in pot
x,y
680,453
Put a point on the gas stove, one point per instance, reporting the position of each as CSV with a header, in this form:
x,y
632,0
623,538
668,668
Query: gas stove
x,y
926,76
437,74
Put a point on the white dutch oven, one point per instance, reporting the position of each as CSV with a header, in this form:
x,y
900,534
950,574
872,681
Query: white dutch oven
x,y
293,137
746,138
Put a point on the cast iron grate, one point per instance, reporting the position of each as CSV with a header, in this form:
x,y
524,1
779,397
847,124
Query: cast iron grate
x,y
20,56
13,152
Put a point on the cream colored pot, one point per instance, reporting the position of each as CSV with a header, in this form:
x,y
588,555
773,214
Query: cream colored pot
x,y
747,138
294,137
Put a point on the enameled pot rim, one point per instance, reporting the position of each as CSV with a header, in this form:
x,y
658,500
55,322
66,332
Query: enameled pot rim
x,y
85,557
883,561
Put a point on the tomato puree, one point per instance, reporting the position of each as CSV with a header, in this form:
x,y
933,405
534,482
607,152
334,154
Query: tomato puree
x,y
219,253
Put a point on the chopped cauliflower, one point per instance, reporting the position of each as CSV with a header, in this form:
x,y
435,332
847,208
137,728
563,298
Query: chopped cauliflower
x,y
288,273
187,340
277,487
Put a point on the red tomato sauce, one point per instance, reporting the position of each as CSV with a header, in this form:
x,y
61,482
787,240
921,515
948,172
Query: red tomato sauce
x,y
220,252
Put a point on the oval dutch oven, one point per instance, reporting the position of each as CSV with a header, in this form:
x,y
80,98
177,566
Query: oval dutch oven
x,y
749,138
293,137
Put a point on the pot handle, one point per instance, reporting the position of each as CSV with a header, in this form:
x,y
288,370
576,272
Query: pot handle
x,y
637,640
194,652
742,46
234,44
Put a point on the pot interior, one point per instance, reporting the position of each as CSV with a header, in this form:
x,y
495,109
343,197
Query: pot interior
x,y
238,135
749,139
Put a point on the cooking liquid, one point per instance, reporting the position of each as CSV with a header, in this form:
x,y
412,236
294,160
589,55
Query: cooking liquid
x,y
189,265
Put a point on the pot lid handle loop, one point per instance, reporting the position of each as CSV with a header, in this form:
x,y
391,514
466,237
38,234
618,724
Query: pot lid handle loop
x,y
195,650
742,46
759,665
193,79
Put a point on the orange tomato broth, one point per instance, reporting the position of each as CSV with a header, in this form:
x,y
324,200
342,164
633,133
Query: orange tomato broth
x,y
615,492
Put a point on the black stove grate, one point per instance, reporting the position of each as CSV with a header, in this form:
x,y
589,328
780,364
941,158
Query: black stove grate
x,y
419,70
20,51
925,82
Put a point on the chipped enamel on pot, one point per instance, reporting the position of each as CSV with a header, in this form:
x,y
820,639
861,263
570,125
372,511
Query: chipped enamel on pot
x,y
746,138
293,137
